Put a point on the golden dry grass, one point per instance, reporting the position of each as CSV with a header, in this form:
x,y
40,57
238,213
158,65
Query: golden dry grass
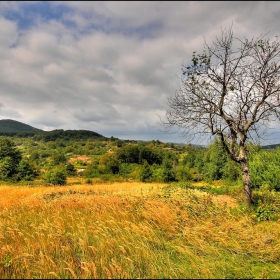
x,y
131,230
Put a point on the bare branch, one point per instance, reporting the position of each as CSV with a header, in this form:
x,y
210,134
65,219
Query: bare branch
x,y
229,91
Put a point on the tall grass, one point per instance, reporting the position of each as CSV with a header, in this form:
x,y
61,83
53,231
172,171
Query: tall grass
x,y
131,230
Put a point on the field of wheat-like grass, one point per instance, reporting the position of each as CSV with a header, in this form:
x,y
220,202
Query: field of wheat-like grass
x,y
131,230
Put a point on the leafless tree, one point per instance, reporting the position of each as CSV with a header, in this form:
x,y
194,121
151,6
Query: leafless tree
x,y
232,91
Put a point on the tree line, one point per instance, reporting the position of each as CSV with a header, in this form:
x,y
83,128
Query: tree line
x,y
119,161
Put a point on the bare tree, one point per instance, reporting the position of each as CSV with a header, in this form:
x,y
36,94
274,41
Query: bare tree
x,y
232,91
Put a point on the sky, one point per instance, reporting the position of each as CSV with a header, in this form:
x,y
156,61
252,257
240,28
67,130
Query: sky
x,y
109,67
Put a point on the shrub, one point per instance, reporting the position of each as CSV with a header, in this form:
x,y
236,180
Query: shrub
x,y
91,171
267,204
27,171
111,163
168,173
58,158
146,172
265,169
55,176
266,212
183,173
10,157
70,169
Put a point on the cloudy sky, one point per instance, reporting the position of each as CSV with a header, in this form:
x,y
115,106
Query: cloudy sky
x,y
110,66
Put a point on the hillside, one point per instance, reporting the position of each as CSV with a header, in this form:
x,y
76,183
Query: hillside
x,y
18,129
67,135
15,126
273,146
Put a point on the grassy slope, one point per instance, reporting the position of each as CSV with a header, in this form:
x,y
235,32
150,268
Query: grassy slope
x,y
131,230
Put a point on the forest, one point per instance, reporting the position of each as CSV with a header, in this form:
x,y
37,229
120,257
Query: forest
x,y
111,159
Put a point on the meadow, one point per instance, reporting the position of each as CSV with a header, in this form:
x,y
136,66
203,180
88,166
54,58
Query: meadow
x,y
133,230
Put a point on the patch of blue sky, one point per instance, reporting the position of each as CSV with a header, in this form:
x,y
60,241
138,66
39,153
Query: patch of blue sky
x,y
28,14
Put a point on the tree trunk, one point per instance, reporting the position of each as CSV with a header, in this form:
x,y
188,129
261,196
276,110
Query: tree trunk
x,y
247,186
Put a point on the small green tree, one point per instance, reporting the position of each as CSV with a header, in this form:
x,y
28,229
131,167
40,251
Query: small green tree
x,y
146,172
10,157
58,158
168,171
183,173
265,169
26,170
111,163
70,169
214,161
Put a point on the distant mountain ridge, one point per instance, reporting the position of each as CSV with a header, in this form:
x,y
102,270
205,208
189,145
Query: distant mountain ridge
x,y
8,125
272,146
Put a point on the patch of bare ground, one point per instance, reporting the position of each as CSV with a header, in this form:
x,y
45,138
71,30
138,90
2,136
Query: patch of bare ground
x,y
80,157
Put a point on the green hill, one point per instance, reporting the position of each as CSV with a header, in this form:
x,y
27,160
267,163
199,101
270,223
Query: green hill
x,y
17,129
67,135
272,146
9,126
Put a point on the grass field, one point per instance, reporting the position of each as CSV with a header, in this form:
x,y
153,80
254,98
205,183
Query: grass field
x,y
132,230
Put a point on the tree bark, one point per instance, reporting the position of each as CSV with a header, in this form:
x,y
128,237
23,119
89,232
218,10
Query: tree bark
x,y
247,185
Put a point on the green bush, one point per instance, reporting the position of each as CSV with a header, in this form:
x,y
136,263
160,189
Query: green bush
x,y
183,173
58,158
10,157
91,171
266,212
7,168
146,172
27,171
168,173
267,204
126,168
215,158
70,169
56,176
265,169
111,163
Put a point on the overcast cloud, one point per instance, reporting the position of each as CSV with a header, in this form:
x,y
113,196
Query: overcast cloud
x,y
109,66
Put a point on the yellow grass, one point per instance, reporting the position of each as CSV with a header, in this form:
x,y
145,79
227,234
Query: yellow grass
x,y
131,230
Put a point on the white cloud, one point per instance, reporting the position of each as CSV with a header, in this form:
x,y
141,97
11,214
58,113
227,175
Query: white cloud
x,y
8,34
112,70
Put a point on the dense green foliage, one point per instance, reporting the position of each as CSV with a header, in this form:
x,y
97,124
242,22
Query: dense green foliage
x,y
10,158
56,176
146,172
265,168
12,165
27,170
139,154
64,135
111,159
